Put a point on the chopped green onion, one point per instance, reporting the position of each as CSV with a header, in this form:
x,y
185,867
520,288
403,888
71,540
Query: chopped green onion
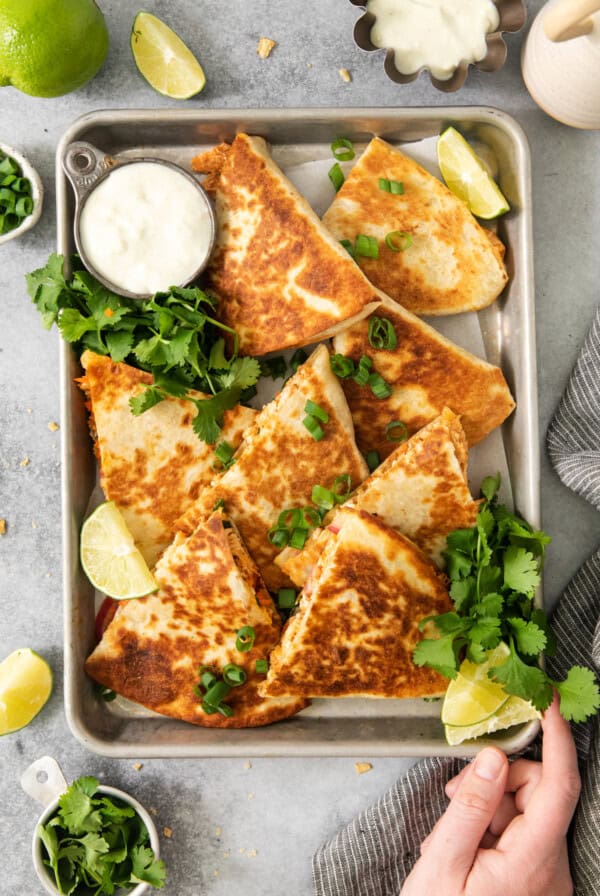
x,y
298,358
290,518
224,453
363,371
342,366
207,679
342,149
396,431
349,247
278,537
298,538
316,410
391,186
218,505
398,240
310,517
245,639
217,692
382,334
312,425
342,482
379,387
322,497
336,176
286,598
373,460
233,675
209,710
261,666
366,246
15,195
225,710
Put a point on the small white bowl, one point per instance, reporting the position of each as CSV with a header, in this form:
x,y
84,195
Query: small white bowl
x,y
37,193
44,782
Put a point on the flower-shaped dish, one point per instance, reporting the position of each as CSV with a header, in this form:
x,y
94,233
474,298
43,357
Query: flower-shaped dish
x,y
512,16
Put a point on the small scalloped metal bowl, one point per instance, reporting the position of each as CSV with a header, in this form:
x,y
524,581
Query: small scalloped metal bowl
x,y
512,18
37,193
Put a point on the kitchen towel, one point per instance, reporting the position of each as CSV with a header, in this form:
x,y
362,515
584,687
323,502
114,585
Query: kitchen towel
x,y
373,855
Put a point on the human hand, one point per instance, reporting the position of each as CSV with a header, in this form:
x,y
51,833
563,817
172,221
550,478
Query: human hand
x,y
504,832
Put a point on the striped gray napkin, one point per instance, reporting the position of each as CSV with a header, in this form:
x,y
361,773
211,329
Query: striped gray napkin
x,y
373,855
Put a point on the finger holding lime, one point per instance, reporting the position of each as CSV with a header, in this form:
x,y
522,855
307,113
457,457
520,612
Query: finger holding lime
x,y
50,47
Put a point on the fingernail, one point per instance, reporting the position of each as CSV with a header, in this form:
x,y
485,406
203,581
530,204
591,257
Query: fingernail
x,y
489,764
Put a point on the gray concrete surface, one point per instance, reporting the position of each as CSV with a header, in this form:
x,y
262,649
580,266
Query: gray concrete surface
x,y
236,828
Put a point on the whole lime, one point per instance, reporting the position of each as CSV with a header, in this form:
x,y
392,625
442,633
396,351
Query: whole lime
x,y
50,47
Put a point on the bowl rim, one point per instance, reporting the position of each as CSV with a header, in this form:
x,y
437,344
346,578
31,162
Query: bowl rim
x,y
50,810
37,193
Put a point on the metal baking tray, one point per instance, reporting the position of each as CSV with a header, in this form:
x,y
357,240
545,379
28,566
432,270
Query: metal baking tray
x,y
329,727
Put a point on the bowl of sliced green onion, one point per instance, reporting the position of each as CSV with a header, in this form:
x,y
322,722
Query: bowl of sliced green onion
x,y
21,194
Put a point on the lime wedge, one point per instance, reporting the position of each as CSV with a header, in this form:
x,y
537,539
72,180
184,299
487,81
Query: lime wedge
x,y
514,712
164,60
466,175
25,686
110,558
472,697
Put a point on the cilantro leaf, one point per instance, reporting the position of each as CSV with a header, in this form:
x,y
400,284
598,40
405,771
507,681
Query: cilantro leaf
x,y
72,325
529,638
147,399
486,632
439,654
520,570
77,808
490,487
119,343
242,373
146,868
462,592
208,420
489,605
522,680
45,287
579,694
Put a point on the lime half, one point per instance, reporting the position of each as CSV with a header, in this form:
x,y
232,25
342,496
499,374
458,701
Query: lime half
x,y
25,686
110,558
472,697
514,712
164,60
466,175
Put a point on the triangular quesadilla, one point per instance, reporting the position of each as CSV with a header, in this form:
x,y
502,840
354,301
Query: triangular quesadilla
x,y
420,490
443,261
280,461
356,625
154,647
152,466
282,279
427,372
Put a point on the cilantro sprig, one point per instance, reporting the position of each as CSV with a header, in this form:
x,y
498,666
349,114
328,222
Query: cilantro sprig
x,y
174,336
97,844
494,570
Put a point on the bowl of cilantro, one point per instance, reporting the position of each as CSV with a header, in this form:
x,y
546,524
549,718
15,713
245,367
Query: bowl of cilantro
x,y
90,838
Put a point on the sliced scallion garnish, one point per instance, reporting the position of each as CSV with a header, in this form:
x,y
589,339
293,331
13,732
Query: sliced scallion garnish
x,y
342,149
349,247
342,366
363,371
322,497
298,538
261,667
382,334
398,240
278,537
336,176
315,429
224,454
216,693
342,486
373,460
316,410
366,246
286,598
245,638
379,387
233,675
290,518
396,431
391,186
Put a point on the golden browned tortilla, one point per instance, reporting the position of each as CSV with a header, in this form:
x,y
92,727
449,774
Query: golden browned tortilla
x,y
279,462
357,623
452,265
420,490
427,372
153,648
152,466
282,279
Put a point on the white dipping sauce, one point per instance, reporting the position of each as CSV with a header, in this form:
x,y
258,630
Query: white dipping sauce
x,y
145,228
435,34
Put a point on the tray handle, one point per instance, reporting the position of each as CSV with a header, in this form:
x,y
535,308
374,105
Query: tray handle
x,y
84,164
43,780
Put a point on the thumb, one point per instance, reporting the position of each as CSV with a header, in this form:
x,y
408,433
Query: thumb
x,y
456,837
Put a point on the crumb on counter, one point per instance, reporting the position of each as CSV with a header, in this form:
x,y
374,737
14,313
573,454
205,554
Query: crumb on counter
x,y
247,765
362,767
242,849
345,75
250,796
3,527
168,832
252,853
218,831
25,462
153,811
265,46
216,872
226,853
34,525
138,766
53,426
30,410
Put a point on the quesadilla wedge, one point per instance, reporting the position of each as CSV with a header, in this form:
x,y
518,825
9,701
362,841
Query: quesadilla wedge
x,y
282,279
152,466
356,625
427,372
152,651
279,462
420,490
447,263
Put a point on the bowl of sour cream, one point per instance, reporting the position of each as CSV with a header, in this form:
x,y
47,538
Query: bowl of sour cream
x,y
442,37
141,225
